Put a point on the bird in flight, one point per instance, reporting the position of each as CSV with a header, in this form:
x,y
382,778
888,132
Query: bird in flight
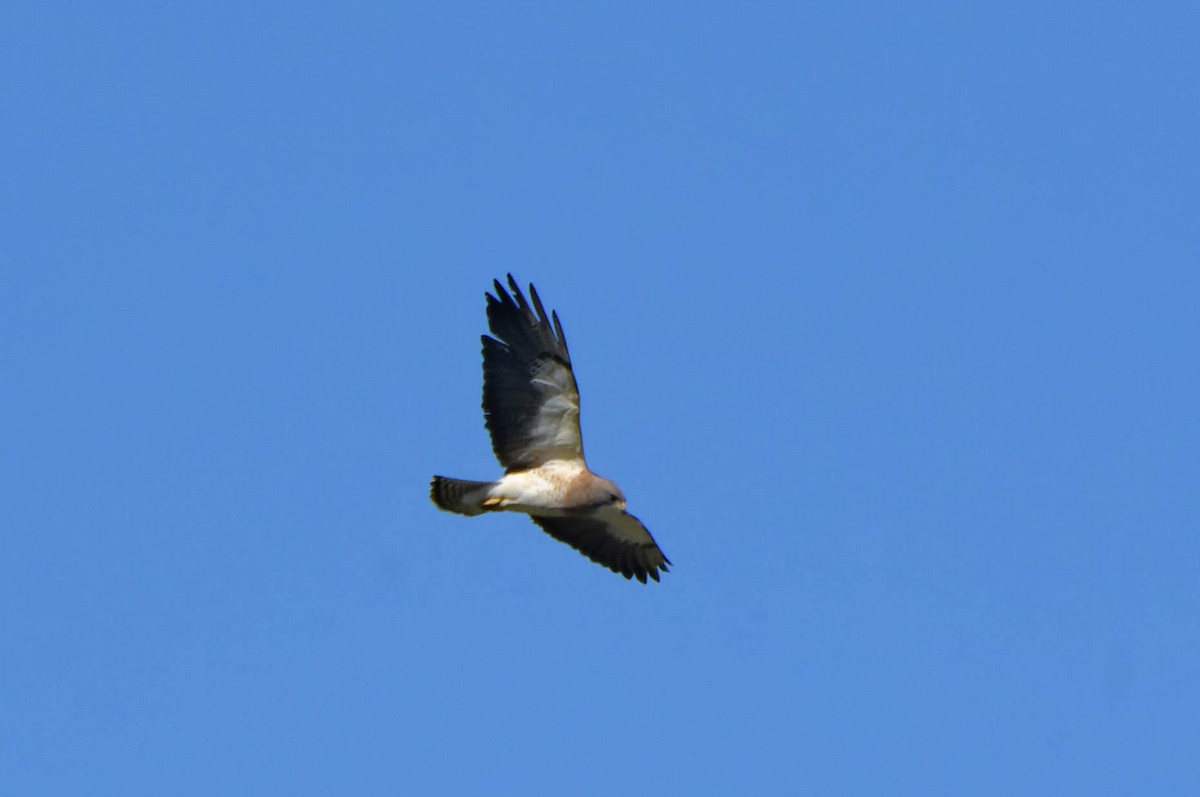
x,y
531,409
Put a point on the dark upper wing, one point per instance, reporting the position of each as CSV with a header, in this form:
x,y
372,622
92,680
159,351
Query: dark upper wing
x,y
618,541
530,401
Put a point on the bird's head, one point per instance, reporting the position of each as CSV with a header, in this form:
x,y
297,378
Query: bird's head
x,y
609,494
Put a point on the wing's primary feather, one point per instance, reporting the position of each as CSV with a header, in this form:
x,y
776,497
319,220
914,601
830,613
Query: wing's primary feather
x,y
618,541
530,399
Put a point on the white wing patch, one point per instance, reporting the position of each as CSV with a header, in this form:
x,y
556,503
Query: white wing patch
x,y
557,423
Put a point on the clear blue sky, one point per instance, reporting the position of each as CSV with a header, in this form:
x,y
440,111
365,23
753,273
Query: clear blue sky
x,y
886,319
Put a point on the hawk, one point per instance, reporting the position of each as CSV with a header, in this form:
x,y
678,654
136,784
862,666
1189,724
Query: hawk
x,y
531,410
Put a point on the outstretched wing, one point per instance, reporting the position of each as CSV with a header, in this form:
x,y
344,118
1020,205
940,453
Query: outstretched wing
x,y
618,541
530,400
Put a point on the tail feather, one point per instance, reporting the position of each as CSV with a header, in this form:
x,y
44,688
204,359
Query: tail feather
x,y
459,495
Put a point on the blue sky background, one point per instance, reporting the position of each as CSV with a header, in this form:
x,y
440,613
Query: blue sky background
x,y
885,319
